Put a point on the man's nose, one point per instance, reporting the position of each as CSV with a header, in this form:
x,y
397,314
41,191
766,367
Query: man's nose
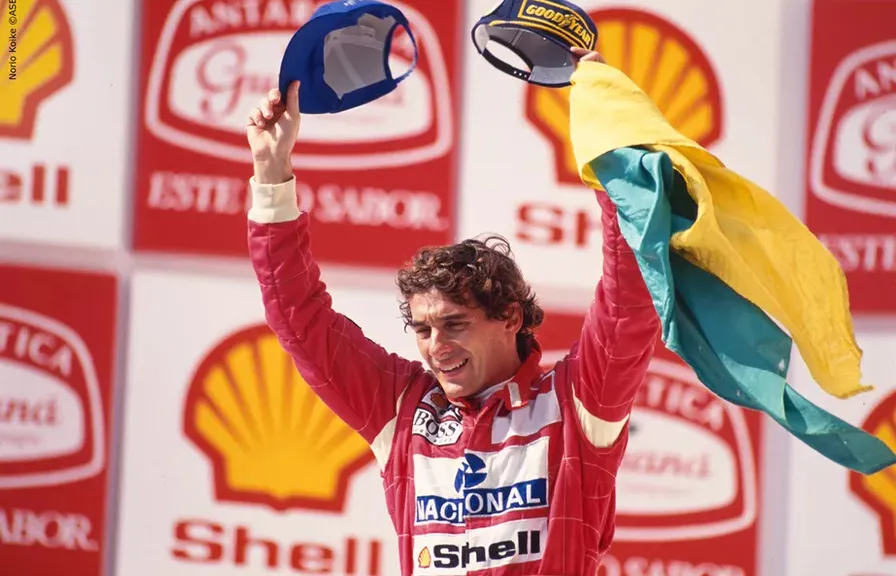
x,y
438,344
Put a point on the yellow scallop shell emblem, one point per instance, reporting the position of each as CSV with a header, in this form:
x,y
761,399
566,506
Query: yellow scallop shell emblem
x,y
661,59
424,558
878,491
270,439
37,61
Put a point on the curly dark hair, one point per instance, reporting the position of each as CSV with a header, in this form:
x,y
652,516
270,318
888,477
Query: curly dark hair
x,y
476,273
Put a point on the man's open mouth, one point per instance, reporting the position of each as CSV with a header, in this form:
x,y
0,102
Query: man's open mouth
x,y
454,367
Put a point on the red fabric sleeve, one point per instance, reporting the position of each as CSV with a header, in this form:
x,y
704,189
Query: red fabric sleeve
x,y
359,380
620,329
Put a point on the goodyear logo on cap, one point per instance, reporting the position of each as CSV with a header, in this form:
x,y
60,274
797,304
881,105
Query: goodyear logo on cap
x,y
559,19
270,439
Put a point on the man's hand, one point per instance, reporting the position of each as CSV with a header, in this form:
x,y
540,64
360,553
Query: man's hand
x,y
272,129
584,55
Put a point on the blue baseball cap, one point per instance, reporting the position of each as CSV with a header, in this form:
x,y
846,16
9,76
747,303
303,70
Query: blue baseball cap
x,y
341,56
541,33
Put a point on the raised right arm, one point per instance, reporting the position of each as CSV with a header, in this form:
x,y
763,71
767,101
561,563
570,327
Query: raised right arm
x,y
359,380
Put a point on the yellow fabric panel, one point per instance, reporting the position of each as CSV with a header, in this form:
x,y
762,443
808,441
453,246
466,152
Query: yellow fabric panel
x,y
742,234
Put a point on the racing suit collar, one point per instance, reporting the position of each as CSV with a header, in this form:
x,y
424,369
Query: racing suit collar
x,y
517,391
514,393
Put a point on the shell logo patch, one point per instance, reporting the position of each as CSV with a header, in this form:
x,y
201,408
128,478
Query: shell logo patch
x,y
853,157
51,412
663,60
424,558
270,439
878,491
39,62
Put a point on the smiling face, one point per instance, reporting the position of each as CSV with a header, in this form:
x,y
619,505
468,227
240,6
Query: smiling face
x,y
466,350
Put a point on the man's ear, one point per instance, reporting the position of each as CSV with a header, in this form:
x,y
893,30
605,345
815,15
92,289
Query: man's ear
x,y
515,321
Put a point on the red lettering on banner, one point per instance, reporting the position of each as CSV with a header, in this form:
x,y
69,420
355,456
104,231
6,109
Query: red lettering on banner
x,y
695,404
546,224
331,203
25,411
38,348
875,80
223,71
668,464
237,16
199,193
208,542
49,529
638,566
40,186
372,206
862,252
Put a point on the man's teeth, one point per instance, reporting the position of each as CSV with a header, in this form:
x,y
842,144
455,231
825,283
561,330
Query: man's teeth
x,y
457,366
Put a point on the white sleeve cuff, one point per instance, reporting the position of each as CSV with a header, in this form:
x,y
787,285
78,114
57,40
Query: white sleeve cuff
x,y
272,203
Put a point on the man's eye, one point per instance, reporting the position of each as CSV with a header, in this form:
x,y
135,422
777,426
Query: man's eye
x,y
422,332
455,325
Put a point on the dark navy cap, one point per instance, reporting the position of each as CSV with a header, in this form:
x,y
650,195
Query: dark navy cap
x,y
341,56
540,33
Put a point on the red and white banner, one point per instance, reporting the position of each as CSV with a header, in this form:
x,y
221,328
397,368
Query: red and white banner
x,y
378,180
65,120
231,465
57,346
688,494
851,169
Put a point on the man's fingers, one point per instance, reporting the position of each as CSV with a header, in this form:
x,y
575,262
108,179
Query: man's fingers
x,y
584,55
267,108
256,118
292,99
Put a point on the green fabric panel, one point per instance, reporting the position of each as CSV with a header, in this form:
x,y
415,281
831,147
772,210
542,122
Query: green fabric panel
x,y
735,349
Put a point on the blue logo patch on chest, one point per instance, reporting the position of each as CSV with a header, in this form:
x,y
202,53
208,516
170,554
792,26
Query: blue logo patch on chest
x,y
484,484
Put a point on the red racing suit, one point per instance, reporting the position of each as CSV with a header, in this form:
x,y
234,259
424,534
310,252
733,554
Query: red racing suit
x,y
520,481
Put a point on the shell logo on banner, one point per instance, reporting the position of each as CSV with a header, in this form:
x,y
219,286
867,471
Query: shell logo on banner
x,y
662,60
270,439
878,491
41,27
273,447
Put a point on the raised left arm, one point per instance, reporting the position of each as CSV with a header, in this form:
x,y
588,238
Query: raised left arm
x,y
617,340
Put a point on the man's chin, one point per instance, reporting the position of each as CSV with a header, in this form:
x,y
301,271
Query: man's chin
x,y
456,390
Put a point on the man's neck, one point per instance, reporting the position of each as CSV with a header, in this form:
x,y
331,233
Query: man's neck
x,y
504,374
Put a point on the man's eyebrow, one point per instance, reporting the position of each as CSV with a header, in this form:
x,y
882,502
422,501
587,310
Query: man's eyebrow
x,y
445,318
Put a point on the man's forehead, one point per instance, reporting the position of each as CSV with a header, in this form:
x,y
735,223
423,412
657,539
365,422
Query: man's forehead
x,y
434,307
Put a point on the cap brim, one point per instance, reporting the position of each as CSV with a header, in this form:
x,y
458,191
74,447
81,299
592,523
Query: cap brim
x,y
552,67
